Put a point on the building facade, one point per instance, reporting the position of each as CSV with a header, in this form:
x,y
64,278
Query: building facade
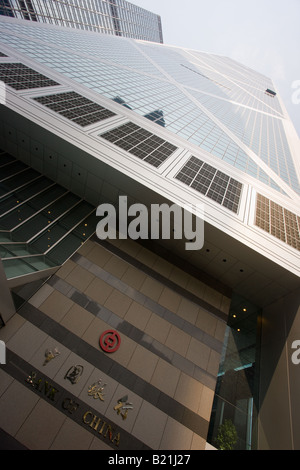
x,y
138,342
117,17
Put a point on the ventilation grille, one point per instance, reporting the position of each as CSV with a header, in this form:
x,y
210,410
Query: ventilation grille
x,y
212,183
75,107
21,77
141,143
278,221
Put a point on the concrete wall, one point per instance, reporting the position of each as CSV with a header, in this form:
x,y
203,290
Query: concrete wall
x,y
171,327
279,416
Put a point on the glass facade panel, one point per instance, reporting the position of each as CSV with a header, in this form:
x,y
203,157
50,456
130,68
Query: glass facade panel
x,y
116,17
193,95
141,143
278,221
212,183
76,108
236,394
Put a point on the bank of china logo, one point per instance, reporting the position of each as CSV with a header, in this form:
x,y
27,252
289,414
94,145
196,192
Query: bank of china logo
x,y
2,353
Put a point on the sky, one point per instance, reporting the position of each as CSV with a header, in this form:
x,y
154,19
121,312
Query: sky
x,y
261,34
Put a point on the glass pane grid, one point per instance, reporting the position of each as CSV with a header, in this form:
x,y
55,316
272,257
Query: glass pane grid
x,y
211,182
21,77
75,107
140,143
278,221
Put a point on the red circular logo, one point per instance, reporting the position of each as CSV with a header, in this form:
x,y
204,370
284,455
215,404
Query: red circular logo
x,y
110,341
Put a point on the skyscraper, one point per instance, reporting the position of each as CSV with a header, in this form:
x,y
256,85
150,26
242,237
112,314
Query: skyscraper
x,y
117,17
195,338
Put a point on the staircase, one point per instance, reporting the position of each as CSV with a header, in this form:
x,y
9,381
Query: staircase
x,y
41,223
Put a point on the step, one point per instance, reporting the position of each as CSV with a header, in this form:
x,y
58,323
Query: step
x,y
25,210
44,220
41,223
18,267
30,190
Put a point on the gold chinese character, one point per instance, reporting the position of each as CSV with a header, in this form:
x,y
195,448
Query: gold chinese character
x,y
49,355
31,378
96,391
74,374
123,405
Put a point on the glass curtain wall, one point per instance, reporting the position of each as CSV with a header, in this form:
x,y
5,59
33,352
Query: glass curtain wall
x,y
117,17
234,414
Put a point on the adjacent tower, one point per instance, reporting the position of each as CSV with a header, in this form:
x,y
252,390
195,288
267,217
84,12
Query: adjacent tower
x,y
117,17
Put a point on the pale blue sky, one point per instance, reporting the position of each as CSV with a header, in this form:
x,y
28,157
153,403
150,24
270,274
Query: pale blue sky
x,y
262,34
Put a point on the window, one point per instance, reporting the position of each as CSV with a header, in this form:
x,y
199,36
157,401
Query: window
x,y
278,221
141,143
75,107
211,182
21,77
270,92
